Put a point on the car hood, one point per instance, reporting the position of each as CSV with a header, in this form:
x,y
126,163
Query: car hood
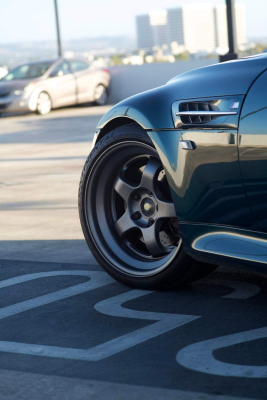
x,y
10,86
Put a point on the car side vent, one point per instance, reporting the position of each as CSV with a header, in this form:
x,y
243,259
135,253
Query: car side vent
x,y
200,112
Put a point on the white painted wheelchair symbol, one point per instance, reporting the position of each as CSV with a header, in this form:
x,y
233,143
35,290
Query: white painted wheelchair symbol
x,y
198,357
112,306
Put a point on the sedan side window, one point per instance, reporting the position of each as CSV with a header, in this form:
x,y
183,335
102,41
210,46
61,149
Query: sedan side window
x,y
78,65
61,69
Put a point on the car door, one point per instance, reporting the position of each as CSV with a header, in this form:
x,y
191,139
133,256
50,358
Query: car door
x,y
85,79
62,85
253,149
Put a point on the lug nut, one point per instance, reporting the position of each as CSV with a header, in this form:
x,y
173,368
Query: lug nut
x,y
136,215
150,194
150,222
136,196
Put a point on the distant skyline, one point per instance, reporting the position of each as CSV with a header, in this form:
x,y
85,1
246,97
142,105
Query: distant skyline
x,y
33,20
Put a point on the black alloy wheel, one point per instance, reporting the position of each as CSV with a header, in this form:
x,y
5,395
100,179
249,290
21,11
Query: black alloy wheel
x,y
127,213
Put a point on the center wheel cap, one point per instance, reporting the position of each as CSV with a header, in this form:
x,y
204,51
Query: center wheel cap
x,y
148,207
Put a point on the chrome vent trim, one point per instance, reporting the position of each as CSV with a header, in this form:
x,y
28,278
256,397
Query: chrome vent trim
x,y
206,113
200,112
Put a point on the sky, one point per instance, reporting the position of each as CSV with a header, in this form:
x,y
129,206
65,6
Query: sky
x,y
33,20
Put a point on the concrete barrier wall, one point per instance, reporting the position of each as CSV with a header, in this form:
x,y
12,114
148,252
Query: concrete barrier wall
x,y
129,80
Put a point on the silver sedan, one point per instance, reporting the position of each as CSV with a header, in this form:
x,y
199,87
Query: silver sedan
x,y
43,85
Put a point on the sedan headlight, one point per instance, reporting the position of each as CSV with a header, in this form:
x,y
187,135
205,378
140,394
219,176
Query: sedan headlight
x,y
27,88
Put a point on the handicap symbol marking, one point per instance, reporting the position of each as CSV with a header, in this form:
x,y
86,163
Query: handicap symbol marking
x,y
242,290
111,306
199,356
97,279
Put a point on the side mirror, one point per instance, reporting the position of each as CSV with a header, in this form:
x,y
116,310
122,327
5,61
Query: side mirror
x,y
55,74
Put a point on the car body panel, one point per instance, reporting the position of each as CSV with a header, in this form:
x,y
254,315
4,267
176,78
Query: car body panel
x,y
206,183
85,86
224,245
253,149
24,102
87,81
151,109
62,90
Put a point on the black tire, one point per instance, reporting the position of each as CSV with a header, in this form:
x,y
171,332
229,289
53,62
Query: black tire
x,y
130,259
101,95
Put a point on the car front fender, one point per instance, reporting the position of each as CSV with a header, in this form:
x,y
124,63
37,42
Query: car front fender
x,y
151,109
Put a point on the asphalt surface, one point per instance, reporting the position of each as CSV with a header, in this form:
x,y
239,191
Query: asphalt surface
x,y
68,331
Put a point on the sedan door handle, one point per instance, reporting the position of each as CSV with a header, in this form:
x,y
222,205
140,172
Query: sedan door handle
x,y
188,144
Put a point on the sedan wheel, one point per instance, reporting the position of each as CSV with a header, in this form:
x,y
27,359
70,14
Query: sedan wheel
x,y
101,95
127,213
44,103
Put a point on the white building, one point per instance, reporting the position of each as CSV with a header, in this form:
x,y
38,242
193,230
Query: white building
x,y
159,24
199,27
175,25
144,32
241,28
221,26
194,27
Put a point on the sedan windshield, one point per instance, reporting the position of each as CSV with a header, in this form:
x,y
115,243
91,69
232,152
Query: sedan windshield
x,y
28,71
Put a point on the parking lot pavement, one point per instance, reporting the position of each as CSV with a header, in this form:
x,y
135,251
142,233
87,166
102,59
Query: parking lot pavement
x,y
68,331
41,159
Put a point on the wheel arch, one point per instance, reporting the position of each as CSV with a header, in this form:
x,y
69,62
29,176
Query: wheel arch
x,y
124,121
34,97
116,123
101,82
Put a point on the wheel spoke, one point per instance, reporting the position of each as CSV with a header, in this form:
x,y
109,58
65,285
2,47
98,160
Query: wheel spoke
x,y
166,209
123,188
149,174
124,223
152,242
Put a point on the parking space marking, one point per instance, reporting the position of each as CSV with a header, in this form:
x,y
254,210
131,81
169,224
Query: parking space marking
x,y
199,356
97,280
196,356
242,290
111,306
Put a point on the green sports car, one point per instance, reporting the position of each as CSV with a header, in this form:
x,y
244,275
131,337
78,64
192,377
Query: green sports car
x,y
176,182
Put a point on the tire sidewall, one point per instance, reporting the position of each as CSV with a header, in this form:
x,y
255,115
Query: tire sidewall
x,y
106,92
